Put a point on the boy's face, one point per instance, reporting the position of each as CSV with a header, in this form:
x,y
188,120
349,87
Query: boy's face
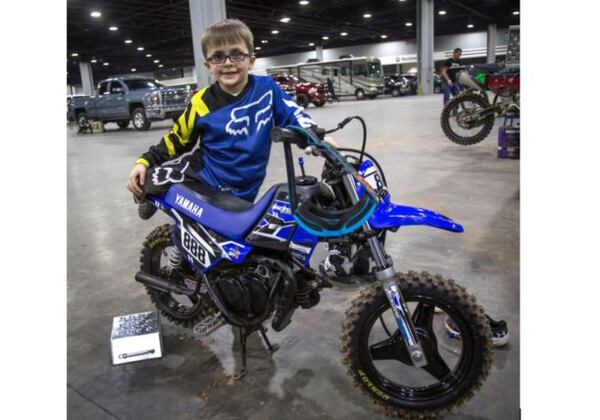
x,y
229,64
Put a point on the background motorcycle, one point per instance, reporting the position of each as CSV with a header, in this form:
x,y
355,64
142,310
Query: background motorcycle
x,y
469,117
227,261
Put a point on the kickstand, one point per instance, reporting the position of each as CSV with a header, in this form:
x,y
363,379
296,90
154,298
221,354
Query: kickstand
x,y
244,332
272,348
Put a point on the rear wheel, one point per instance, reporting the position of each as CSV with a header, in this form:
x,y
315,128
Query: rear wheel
x,y
461,122
376,358
156,252
139,119
302,99
82,121
319,104
360,94
395,92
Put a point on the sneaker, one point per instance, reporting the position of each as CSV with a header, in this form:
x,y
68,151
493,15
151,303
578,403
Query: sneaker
x,y
337,267
146,209
500,334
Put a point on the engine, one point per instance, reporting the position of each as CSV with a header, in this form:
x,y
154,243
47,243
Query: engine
x,y
264,285
246,289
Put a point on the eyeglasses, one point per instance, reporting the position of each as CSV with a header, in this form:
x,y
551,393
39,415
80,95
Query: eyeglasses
x,y
234,57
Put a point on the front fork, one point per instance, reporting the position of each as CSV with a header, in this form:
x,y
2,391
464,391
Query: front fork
x,y
385,273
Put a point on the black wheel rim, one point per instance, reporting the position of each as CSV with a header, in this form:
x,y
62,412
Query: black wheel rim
x,y
170,302
442,391
459,123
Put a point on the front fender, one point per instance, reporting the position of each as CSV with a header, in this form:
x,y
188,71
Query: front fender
x,y
389,215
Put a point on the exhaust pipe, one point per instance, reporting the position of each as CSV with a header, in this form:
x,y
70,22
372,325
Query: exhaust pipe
x,y
158,283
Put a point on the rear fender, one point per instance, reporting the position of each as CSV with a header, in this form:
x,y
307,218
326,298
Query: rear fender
x,y
389,216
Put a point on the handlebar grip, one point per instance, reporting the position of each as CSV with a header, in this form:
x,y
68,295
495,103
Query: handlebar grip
x,y
283,135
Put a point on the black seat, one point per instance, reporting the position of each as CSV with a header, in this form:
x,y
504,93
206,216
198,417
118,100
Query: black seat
x,y
218,198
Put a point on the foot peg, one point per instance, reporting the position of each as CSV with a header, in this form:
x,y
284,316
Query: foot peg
x,y
209,325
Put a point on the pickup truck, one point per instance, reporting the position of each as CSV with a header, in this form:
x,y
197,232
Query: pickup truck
x,y
304,92
130,98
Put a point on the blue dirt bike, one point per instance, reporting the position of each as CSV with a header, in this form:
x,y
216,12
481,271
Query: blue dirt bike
x,y
227,261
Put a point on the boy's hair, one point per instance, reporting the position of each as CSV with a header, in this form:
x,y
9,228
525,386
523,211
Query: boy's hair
x,y
228,31
457,50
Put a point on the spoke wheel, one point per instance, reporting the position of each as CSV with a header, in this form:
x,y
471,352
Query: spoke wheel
x,y
181,309
461,122
377,359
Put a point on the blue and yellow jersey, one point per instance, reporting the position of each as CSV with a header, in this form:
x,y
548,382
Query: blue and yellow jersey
x,y
229,135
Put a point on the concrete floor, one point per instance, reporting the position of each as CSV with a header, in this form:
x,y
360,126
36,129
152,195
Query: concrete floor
x,y
306,378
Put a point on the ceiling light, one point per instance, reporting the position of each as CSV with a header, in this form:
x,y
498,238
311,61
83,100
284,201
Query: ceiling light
x,y
383,36
128,41
367,15
161,65
106,63
274,31
264,41
148,55
470,25
113,28
133,70
140,48
303,3
74,55
258,48
344,33
284,19
408,23
325,38
95,14
442,12
311,44
157,61
402,1
516,12
93,61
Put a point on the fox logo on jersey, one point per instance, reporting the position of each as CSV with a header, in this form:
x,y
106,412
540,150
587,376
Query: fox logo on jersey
x,y
164,174
259,113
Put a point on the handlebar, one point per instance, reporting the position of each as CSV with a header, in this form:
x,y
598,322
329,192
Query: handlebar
x,y
284,135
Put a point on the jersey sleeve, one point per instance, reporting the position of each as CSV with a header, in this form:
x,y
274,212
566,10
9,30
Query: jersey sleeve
x,y
287,112
182,137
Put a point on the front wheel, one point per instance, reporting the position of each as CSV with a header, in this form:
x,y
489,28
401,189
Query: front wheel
x,y
461,120
303,100
139,119
360,94
376,358
82,121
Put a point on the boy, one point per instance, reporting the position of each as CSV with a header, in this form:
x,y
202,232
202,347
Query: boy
x,y
223,137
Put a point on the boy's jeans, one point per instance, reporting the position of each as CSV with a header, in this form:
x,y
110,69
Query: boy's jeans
x,y
446,90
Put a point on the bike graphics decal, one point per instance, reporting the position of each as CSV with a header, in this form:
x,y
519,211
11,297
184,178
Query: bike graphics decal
x,y
188,205
260,112
196,244
277,224
234,251
164,174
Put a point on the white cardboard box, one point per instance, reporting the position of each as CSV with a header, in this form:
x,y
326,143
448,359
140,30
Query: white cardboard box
x,y
136,337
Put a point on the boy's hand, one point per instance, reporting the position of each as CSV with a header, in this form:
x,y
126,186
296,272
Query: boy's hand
x,y
136,178
312,150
